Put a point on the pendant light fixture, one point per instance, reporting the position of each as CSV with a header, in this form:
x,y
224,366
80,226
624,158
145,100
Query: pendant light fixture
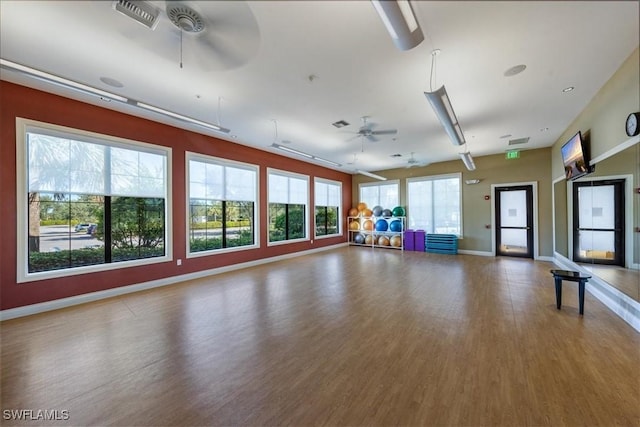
x,y
401,23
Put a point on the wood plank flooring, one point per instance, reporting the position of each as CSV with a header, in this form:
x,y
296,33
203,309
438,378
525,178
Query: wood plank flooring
x,y
353,336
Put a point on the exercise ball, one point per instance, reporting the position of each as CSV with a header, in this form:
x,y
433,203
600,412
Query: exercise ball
x,y
354,225
367,225
369,239
362,206
377,210
396,241
386,213
381,225
398,211
383,241
395,226
358,238
353,212
366,212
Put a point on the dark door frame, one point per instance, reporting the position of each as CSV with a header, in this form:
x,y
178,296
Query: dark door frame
x,y
534,207
619,226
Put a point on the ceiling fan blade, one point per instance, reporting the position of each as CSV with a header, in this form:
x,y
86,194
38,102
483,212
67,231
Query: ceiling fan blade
x,y
385,132
372,138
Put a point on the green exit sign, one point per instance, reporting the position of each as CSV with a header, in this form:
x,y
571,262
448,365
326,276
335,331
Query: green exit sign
x,y
512,155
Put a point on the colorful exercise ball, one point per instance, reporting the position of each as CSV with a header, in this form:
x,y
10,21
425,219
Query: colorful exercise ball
x,y
353,212
377,210
366,212
396,241
383,241
369,239
398,211
354,225
386,213
362,206
395,226
381,225
367,225
358,238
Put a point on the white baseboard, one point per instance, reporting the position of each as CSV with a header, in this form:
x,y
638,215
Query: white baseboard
x,y
545,258
42,307
478,253
621,304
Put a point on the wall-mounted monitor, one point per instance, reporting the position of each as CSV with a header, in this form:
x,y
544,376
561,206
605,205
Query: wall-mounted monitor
x,y
574,157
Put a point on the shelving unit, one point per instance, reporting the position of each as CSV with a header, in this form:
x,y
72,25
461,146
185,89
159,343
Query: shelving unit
x,y
392,236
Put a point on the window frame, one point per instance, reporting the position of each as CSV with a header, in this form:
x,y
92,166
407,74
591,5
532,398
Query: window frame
x,y
340,232
395,182
457,175
287,174
256,207
24,126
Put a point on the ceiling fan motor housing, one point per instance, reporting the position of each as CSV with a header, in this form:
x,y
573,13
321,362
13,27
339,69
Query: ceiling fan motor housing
x,y
185,18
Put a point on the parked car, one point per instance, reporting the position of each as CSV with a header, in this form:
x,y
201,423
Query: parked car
x,y
83,226
92,229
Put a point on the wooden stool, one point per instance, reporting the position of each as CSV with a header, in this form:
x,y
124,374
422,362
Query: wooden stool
x,y
572,276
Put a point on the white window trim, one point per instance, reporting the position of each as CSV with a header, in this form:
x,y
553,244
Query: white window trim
x,y
222,162
340,230
22,266
434,178
307,204
378,184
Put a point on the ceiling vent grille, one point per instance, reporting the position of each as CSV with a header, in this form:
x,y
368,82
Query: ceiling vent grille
x,y
140,11
340,124
518,141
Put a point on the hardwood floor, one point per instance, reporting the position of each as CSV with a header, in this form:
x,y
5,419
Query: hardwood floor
x,y
348,337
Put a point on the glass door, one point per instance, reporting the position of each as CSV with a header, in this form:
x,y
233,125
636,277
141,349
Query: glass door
x,y
598,219
514,221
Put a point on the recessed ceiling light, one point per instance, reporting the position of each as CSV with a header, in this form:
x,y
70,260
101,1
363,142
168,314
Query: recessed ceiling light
x,y
516,69
568,89
111,82
544,129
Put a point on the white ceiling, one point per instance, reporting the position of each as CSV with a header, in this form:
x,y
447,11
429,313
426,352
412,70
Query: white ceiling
x,y
276,46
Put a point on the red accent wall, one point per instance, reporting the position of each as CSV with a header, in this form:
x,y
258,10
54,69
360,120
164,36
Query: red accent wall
x,y
20,101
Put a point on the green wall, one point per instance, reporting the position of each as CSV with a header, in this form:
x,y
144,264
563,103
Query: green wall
x,y
532,166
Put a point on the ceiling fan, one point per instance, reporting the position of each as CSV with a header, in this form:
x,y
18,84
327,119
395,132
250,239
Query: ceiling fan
x,y
412,162
218,35
367,131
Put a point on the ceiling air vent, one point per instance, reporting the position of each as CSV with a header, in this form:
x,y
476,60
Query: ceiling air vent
x,y
340,124
518,141
140,11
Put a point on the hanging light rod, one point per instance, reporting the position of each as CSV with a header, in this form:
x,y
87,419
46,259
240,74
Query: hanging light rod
x,y
401,22
60,81
292,150
181,117
442,106
468,161
371,175
303,154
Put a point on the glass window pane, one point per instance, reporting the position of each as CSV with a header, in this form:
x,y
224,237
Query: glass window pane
x,y
513,212
513,241
597,208
240,184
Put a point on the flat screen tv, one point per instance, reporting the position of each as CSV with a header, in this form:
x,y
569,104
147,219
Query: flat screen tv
x,y
576,163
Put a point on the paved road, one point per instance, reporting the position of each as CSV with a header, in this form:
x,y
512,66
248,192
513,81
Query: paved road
x,y
56,237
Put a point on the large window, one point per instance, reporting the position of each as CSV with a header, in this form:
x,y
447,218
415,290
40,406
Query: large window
x,y
328,198
385,194
288,201
434,204
222,204
88,200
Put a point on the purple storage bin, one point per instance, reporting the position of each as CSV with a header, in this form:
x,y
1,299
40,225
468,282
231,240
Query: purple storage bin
x,y
408,240
418,240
